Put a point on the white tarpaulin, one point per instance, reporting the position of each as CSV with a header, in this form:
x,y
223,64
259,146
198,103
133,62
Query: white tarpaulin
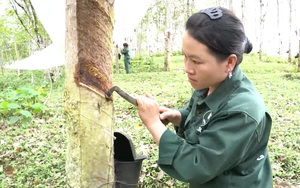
x,y
52,15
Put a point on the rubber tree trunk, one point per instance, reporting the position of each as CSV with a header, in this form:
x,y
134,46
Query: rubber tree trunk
x,y
117,52
291,31
2,69
230,6
299,53
167,51
1,63
18,57
89,116
244,12
188,9
261,24
279,28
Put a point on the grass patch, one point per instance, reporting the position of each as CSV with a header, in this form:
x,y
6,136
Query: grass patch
x,y
34,155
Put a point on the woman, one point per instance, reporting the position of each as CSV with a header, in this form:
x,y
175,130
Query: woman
x,y
223,132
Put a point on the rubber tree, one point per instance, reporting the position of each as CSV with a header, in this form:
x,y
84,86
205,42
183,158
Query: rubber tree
x,y
89,116
299,52
244,12
168,50
279,29
290,30
299,44
262,26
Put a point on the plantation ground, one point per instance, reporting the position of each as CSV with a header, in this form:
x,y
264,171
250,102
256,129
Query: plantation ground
x,y
34,155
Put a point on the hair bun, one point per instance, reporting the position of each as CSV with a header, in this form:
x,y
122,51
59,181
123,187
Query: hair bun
x,y
248,46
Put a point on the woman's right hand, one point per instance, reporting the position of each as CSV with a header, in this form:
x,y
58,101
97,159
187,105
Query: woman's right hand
x,y
168,115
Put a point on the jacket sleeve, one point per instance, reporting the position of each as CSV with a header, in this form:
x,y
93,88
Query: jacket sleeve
x,y
125,51
184,114
220,147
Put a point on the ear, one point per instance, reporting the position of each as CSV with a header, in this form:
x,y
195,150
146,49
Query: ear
x,y
231,62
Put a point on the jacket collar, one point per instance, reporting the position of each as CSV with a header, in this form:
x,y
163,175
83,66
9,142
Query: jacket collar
x,y
214,100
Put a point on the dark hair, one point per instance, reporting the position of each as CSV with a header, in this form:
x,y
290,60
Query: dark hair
x,y
223,36
125,44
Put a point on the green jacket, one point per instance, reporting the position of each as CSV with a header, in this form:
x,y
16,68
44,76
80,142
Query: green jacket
x,y
126,53
225,138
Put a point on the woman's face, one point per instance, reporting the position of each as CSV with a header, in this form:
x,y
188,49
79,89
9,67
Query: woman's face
x,y
202,68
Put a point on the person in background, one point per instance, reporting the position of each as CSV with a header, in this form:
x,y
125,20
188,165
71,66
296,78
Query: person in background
x,y
222,134
127,59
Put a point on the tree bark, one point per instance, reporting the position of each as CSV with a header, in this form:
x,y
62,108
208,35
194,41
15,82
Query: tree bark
x,y
290,31
117,52
299,52
231,6
262,24
279,29
188,9
17,58
89,116
192,7
1,63
243,12
167,51
257,25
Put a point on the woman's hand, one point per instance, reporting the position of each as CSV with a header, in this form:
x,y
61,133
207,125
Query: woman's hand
x,y
168,115
149,114
148,110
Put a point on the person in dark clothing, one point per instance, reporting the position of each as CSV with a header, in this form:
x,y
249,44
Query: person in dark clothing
x,y
222,134
127,59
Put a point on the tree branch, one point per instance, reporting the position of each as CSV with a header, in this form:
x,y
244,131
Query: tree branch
x,y
266,9
35,22
21,21
21,6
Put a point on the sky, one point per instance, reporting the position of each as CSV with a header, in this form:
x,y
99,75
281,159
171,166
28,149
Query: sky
x,y
128,13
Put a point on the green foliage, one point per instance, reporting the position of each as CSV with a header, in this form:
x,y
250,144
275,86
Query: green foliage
x,y
24,80
20,105
177,53
274,59
158,54
144,63
162,54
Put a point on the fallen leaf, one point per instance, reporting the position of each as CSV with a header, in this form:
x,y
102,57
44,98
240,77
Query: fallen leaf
x,y
36,182
139,126
170,182
18,148
57,175
160,175
9,171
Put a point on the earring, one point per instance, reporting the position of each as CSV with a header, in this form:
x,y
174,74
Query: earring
x,y
229,74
